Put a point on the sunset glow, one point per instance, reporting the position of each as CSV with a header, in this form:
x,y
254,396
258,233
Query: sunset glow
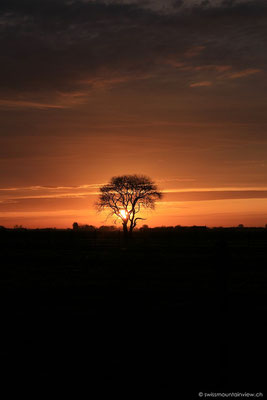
x,y
181,102
124,214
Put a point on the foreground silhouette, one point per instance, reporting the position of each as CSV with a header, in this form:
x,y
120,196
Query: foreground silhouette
x,y
180,308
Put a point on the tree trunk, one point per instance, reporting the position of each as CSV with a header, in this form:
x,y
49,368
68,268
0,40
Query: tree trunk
x,y
125,231
132,225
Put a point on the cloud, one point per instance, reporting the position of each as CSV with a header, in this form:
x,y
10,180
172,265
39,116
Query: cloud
x,y
201,84
210,194
49,191
217,68
50,188
219,189
11,195
50,48
27,104
167,180
244,73
44,214
15,194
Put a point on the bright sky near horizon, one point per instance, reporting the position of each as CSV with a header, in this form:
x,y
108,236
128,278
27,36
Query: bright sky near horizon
x,y
175,90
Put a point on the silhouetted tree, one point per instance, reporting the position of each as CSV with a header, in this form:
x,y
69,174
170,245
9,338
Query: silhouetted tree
x,y
144,228
75,226
88,228
125,196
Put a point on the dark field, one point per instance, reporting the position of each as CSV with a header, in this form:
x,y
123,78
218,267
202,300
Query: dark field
x,y
176,309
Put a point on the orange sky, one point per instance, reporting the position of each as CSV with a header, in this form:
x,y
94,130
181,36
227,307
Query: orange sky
x,y
175,91
61,206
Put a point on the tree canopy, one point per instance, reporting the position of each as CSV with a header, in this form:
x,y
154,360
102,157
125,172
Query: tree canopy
x,y
125,196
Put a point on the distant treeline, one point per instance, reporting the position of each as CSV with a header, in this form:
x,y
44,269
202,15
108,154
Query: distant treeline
x,y
145,228
92,232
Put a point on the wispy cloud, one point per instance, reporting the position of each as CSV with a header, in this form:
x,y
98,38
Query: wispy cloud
x,y
50,188
218,189
167,180
59,100
215,194
52,196
27,104
75,192
12,194
222,73
212,67
45,214
244,73
201,84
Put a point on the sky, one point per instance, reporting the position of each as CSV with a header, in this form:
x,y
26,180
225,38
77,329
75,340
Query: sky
x,y
175,90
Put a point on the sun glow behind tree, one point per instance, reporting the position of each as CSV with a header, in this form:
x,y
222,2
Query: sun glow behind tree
x,y
124,214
